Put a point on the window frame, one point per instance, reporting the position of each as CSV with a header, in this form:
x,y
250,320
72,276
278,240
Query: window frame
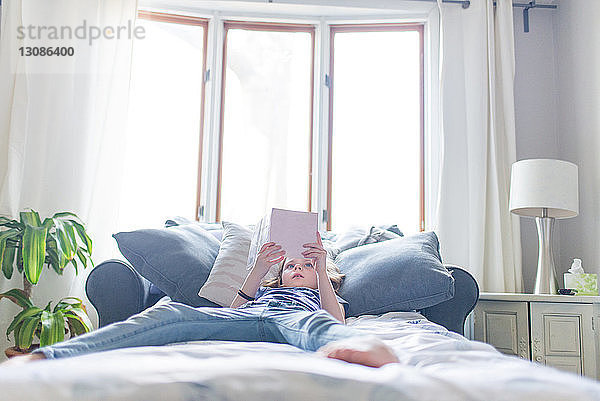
x,y
208,200
264,27
376,27
194,21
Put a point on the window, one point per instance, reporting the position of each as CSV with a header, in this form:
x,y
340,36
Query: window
x,y
165,121
266,128
376,126
291,121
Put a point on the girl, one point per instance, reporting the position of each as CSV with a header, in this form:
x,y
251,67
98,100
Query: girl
x,y
299,307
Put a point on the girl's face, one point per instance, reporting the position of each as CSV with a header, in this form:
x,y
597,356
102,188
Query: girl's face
x,y
299,272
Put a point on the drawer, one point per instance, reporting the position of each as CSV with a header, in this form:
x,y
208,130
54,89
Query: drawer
x,y
557,331
562,335
504,325
568,363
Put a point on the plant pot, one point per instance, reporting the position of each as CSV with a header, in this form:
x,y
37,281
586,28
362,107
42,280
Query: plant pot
x,y
14,351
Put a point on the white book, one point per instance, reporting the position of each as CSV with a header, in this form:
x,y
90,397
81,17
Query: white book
x,y
289,228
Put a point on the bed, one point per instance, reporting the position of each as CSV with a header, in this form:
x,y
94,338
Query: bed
x,y
436,361
436,364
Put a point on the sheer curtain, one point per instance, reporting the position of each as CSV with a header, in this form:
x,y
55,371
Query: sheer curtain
x,y
475,226
61,134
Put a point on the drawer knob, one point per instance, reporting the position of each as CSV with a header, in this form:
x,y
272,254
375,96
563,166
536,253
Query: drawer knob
x,y
539,358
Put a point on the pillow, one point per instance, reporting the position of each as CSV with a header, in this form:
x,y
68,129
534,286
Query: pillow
x,y
400,274
255,247
332,250
358,236
229,271
177,259
376,234
393,228
214,228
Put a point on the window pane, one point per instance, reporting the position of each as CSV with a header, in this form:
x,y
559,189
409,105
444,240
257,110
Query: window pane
x,y
376,129
266,131
164,125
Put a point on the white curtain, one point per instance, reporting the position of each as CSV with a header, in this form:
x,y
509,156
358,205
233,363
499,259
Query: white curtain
x,y
61,135
475,226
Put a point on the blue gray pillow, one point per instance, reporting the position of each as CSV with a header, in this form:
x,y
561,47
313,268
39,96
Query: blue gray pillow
x,y
358,236
216,229
400,274
177,259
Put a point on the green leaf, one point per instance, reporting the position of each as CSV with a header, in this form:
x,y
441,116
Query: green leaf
x,y
72,237
68,227
82,317
8,261
73,308
72,300
5,222
64,307
47,322
17,296
67,216
48,222
53,328
29,312
34,251
16,333
68,303
56,255
84,237
82,258
77,325
6,253
74,263
10,233
63,242
26,332
53,261
20,258
32,218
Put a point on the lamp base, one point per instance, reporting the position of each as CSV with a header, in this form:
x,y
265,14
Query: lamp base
x,y
545,281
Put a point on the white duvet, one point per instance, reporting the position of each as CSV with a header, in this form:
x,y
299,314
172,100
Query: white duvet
x,y
435,365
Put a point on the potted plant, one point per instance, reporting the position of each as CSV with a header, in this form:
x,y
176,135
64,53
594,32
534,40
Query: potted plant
x,y
29,244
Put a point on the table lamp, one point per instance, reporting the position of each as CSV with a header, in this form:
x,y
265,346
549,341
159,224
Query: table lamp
x,y
546,189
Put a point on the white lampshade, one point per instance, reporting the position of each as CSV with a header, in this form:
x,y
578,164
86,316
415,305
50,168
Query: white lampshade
x,y
544,183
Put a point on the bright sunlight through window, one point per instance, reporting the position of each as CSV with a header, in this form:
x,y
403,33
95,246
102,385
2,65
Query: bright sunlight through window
x,y
266,132
376,138
164,125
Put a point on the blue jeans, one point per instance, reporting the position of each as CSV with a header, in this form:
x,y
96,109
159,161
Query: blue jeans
x,y
171,322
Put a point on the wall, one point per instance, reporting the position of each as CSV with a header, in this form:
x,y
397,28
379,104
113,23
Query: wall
x,y
577,35
536,104
557,100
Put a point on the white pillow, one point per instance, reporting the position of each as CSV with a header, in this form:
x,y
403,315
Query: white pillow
x,y
229,270
258,239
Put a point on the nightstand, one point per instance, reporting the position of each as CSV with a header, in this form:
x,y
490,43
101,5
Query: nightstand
x,y
556,330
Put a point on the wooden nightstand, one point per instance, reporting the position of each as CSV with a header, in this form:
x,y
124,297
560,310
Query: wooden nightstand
x,y
557,330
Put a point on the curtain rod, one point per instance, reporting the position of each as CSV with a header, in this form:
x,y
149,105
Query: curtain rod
x,y
467,4
525,6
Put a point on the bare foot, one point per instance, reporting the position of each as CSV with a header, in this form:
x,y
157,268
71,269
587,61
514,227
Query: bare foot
x,y
367,351
19,360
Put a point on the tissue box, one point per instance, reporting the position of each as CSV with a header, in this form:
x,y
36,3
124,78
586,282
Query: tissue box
x,y
584,283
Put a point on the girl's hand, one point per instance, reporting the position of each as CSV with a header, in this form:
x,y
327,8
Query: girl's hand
x,y
268,255
317,253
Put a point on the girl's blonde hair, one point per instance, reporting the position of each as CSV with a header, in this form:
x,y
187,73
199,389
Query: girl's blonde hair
x,y
333,272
